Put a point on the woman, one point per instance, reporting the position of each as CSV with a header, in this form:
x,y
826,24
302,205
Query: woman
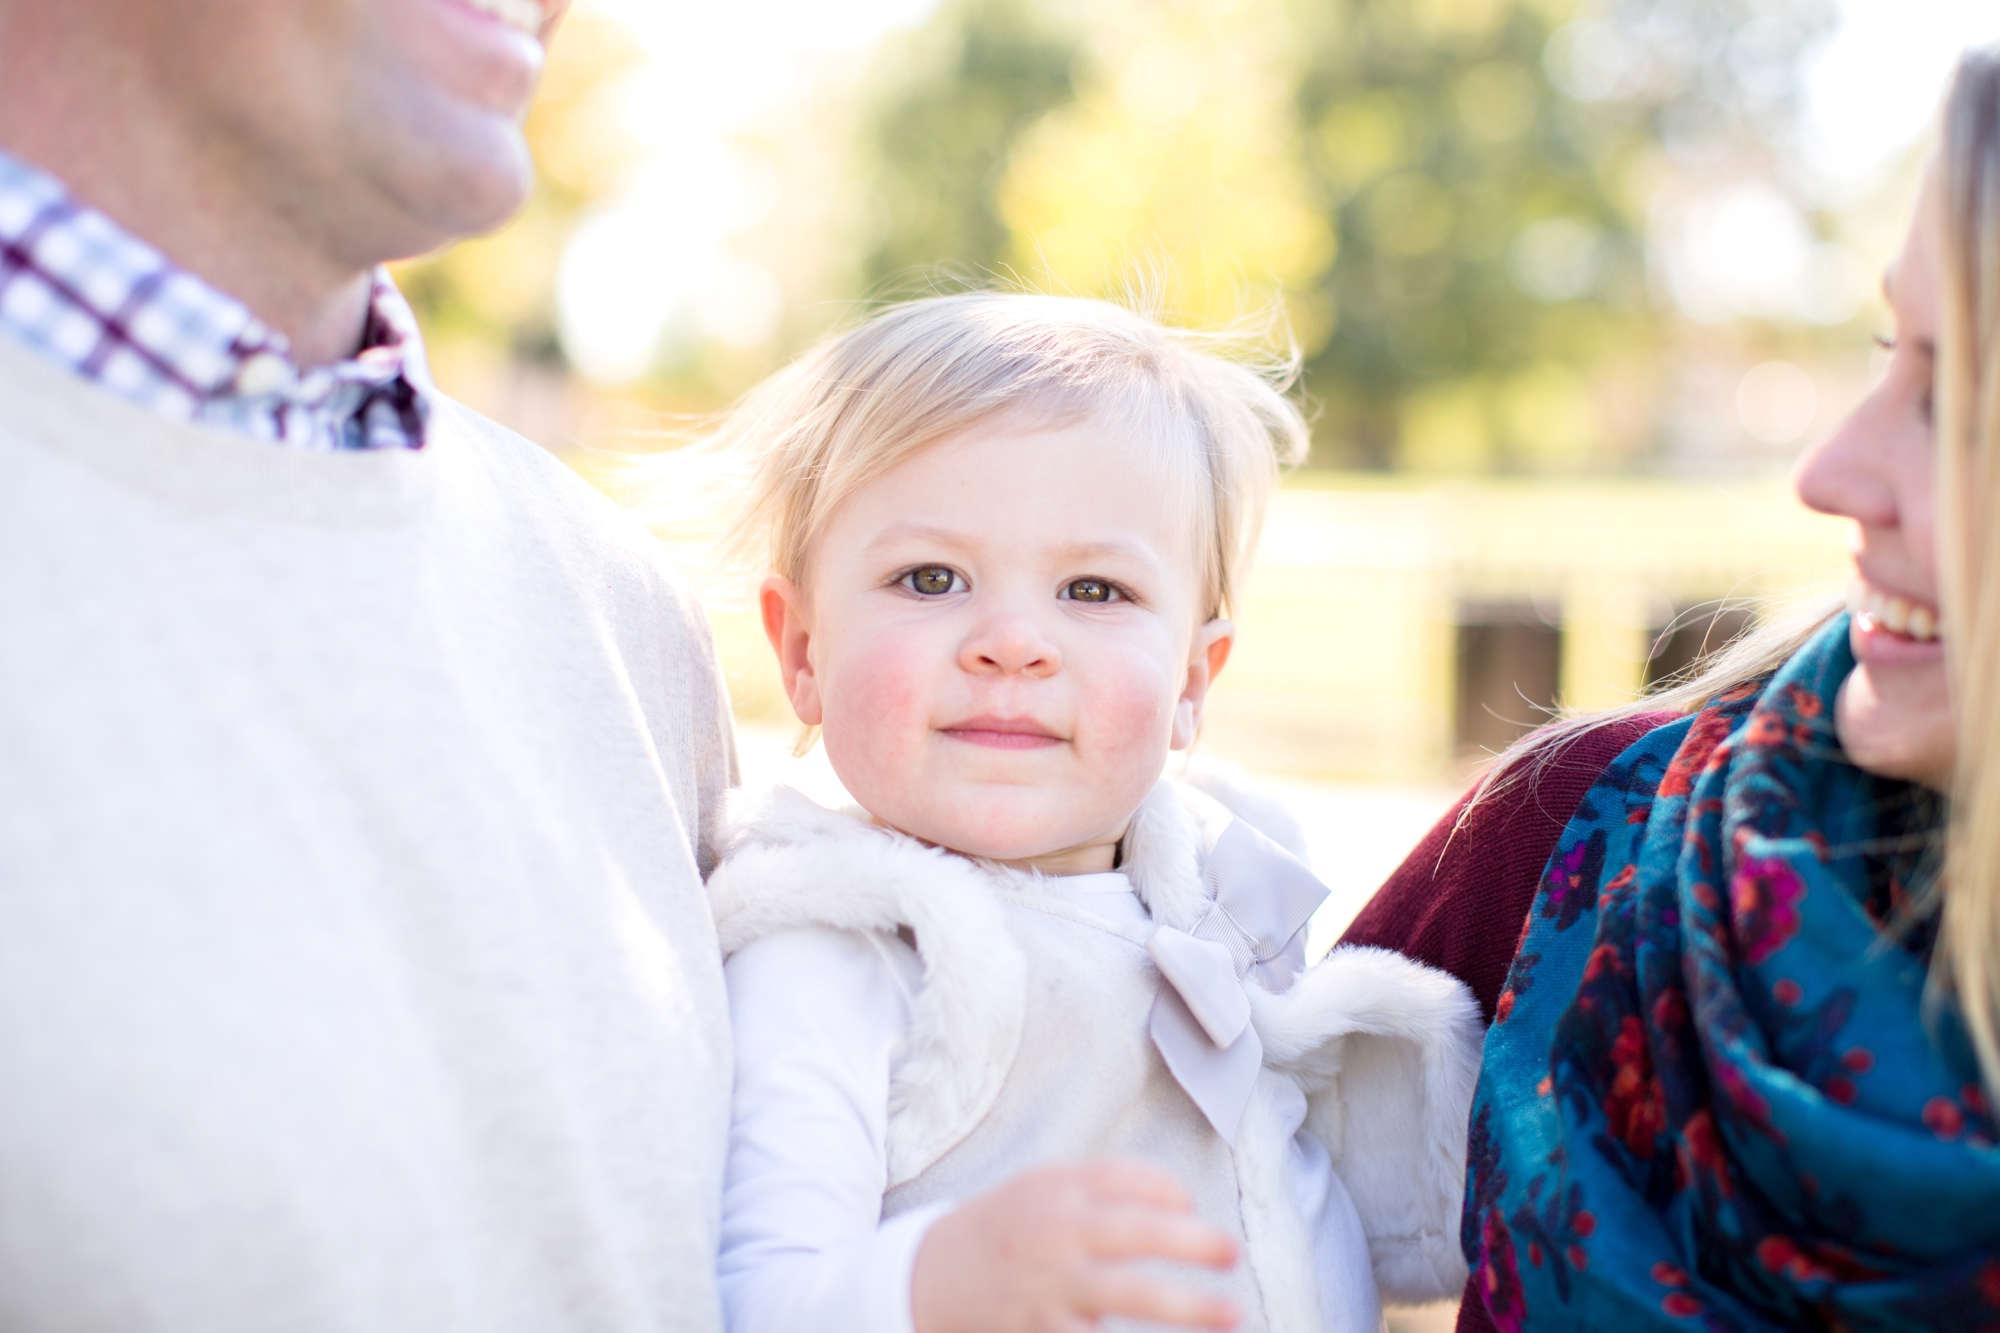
x,y
1742,1049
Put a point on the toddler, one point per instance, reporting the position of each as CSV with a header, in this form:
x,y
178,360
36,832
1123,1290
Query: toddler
x,y
1025,1041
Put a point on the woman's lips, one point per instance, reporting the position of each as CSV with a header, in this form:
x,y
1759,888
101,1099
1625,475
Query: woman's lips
x,y
1891,629
1002,733
1903,616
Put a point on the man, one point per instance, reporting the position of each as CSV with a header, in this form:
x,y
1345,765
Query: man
x,y
358,764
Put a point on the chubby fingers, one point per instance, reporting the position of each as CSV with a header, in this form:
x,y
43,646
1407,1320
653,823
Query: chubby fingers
x,y
1129,1293
1120,1180
1125,1232
1059,1247
1142,1212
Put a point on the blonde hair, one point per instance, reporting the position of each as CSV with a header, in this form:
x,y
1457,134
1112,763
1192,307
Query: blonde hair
x,y
1968,431
1211,406
1966,958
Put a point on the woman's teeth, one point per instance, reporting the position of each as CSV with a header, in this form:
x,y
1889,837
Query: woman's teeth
x,y
527,15
1897,614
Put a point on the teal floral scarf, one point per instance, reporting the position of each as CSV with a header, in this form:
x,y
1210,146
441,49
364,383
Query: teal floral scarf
x,y
1711,1096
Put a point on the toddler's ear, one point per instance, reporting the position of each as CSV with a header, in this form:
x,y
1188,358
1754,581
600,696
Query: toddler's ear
x,y
1212,643
789,628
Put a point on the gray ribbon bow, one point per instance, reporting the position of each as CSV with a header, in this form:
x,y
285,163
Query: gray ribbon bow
x,y
1262,897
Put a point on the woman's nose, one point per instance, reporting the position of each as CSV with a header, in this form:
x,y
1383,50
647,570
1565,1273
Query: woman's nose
x,y
1010,644
1848,472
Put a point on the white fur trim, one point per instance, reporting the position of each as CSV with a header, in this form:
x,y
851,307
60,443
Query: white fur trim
x,y
1231,785
792,863
1163,854
1278,1247
1387,1051
1368,1034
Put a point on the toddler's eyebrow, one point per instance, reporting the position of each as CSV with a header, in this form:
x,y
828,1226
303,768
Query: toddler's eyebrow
x,y
1113,548
1126,550
906,531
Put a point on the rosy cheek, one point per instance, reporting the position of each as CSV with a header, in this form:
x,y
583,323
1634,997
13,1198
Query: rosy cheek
x,y
877,704
1128,709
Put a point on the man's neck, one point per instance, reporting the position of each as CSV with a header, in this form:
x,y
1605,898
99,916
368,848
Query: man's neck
x,y
118,152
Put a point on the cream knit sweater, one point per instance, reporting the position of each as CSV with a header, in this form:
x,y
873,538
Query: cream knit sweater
x,y
355,971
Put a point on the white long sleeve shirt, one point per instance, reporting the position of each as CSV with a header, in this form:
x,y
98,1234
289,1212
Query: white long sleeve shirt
x,y
817,1016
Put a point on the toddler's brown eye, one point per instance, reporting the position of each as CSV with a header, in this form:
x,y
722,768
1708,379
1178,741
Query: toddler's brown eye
x,y
931,580
1089,590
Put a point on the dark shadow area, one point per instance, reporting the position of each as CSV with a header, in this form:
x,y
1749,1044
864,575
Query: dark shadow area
x,y
1695,633
1509,672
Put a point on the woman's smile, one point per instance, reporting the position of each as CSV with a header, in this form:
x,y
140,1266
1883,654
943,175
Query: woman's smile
x,y
1893,629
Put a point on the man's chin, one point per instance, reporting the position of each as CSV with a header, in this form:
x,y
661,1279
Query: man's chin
x,y
461,187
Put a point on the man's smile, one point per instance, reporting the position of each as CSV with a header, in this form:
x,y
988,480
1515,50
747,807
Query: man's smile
x,y
522,15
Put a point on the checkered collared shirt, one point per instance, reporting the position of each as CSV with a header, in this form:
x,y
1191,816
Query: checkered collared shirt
x,y
76,287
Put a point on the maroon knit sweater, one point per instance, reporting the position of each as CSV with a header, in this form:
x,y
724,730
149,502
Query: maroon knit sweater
x,y
1460,901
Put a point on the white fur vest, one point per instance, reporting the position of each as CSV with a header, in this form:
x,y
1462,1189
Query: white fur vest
x,y
1027,1042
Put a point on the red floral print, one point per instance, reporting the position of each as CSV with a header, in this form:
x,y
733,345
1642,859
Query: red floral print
x,y
1635,1108
1703,739
1765,895
1701,1147
1943,1118
1766,731
1500,1275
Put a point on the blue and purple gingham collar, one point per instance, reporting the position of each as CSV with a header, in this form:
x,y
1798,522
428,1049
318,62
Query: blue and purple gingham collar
x,y
114,311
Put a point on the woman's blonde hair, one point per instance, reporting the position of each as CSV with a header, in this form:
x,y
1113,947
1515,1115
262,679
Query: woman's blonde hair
x,y
1212,407
1966,960
1753,656
1968,451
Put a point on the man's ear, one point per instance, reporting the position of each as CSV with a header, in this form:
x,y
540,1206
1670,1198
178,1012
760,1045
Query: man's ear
x,y
788,625
1212,643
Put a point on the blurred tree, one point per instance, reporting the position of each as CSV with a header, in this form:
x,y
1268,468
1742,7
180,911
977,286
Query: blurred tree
x,y
1488,168
935,139
1176,167
1450,195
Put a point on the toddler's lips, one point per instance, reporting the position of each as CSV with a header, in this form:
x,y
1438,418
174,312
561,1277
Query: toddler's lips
x,y
1002,733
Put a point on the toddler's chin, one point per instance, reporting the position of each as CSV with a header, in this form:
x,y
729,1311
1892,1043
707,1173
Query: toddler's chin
x,y
990,844
992,834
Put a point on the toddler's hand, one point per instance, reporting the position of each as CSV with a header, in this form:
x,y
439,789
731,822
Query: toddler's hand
x,y
1047,1252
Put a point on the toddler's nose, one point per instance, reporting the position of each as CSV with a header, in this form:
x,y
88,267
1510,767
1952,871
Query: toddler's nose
x,y
1011,645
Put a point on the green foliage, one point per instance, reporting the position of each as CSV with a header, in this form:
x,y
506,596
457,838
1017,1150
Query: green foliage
x,y
1491,228
935,144
1451,195
1434,152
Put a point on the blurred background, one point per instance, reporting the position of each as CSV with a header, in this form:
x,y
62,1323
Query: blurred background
x,y
1574,281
